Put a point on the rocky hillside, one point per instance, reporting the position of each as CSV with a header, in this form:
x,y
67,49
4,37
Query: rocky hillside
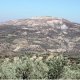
x,y
39,35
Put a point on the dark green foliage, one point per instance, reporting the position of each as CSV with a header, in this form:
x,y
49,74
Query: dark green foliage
x,y
55,67
23,67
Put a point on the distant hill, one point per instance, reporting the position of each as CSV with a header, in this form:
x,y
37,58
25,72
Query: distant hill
x,y
40,35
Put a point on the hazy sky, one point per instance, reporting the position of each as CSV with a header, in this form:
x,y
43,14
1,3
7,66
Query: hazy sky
x,y
16,9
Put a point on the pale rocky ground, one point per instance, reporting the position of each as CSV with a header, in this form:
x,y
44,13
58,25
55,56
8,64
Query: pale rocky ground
x,y
40,35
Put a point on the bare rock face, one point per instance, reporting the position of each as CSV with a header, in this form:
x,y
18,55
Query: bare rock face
x,y
40,35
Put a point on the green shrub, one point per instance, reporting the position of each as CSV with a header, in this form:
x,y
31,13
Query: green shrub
x,y
55,67
68,73
7,70
32,69
40,70
25,68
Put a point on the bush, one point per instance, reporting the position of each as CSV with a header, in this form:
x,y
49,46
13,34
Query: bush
x,y
7,70
40,70
25,68
29,69
71,72
55,67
